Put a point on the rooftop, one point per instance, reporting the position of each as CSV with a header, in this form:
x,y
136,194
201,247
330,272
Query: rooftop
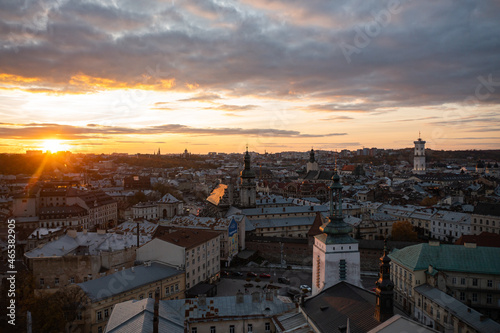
x,y
187,238
137,316
330,309
445,257
86,243
458,309
488,209
127,279
204,222
130,227
217,194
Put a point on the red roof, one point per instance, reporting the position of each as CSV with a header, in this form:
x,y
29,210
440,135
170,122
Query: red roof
x,y
483,239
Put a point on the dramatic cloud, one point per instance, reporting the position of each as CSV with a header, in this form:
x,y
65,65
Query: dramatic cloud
x,y
243,67
67,132
413,53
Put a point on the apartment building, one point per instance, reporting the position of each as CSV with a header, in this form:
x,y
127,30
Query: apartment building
x,y
194,250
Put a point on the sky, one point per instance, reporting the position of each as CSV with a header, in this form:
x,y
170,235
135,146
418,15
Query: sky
x,y
276,75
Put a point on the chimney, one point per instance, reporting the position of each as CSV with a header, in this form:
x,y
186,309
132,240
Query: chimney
x,y
239,297
156,311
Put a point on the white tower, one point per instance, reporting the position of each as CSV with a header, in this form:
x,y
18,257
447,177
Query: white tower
x,y
335,253
419,157
312,165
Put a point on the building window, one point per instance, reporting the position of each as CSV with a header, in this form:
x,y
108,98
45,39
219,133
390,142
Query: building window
x,y
231,329
454,280
176,287
462,296
488,298
212,329
438,315
172,289
342,269
106,313
150,295
166,291
194,330
250,328
141,296
99,329
42,282
462,281
474,297
268,327
56,282
490,283
474,282
99,315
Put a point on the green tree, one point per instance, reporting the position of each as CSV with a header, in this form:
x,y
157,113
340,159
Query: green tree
x,y
403,231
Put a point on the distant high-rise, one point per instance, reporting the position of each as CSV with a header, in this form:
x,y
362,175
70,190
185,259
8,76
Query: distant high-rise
x,y
419,156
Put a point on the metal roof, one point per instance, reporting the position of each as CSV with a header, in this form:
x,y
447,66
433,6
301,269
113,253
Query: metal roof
x,y
136,316
459,309
127,279
330,309
90,243
445,257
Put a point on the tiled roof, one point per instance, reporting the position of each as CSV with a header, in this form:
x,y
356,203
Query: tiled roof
x,y
445,257
488,209
483,239
187,238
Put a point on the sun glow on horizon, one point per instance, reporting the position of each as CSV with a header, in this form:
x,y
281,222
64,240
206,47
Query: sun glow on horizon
x,y
54,145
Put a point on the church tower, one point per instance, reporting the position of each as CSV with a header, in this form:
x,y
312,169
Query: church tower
x,y
419,156
248,190
312,165
384,308
335,253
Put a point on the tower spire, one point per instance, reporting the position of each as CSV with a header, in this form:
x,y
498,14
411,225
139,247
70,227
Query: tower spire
x,y
336,229
384,291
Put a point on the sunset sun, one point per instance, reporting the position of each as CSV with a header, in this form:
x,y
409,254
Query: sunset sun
x,y
54,145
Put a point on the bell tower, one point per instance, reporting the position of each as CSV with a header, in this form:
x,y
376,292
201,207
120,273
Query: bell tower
x,y
248,189
312,165
335,253
419,156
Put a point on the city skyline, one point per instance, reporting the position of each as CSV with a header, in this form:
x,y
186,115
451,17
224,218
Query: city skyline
x,y
215,76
